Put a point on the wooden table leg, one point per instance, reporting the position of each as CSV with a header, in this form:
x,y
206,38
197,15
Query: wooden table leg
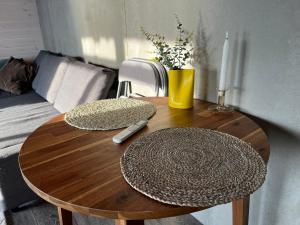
x,y
240,211
64,216
129,222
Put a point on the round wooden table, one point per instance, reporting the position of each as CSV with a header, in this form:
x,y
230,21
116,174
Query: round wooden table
x,y
78,170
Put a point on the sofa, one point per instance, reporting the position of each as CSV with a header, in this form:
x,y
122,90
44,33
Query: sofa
x,y
60,84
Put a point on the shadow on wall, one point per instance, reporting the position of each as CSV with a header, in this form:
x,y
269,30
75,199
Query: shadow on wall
x,y
205,77
206,81
238,69
201,60
279,182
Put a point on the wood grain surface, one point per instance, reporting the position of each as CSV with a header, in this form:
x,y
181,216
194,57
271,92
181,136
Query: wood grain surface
x,y
79,170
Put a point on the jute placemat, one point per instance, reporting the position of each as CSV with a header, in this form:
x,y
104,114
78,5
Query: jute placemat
x,y
192,167
110,114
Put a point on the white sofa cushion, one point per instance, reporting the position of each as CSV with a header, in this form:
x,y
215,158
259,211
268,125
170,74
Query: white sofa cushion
x,y
83,83
50,73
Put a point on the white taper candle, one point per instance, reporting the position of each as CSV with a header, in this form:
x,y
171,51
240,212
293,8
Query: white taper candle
x,y
222,84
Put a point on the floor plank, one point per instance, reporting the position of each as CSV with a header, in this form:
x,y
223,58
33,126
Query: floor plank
x,y
90,220
46,214
3,219
178,220
23,217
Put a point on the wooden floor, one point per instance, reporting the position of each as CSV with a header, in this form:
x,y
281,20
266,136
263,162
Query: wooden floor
x,y
45,214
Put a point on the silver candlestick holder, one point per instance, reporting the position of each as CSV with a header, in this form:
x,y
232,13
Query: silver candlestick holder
x,y
221,107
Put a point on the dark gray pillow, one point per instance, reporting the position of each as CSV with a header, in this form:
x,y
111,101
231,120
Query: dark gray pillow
x,y
3,62
16,76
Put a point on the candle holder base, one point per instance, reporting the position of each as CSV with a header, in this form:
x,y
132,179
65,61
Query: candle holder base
x,y
221,107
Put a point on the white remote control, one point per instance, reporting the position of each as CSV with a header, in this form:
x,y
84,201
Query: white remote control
x,y
129,131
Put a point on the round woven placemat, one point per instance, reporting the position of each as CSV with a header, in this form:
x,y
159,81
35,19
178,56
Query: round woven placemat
x,y
110,114
192,167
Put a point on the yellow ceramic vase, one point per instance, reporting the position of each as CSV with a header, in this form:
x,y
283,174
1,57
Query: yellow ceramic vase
x,y
181,88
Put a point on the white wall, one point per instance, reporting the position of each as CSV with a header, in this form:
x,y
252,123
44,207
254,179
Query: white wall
x,y
20,33
264,69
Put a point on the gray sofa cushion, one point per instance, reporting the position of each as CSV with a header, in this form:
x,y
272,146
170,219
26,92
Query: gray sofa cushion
x,y
21,115
38,59
4,94
13,190
83,83
50,72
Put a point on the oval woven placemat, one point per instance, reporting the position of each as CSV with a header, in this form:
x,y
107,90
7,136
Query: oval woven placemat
x,y
192,167
110,114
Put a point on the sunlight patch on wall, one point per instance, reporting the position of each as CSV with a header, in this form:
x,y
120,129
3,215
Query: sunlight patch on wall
x,y
139,48
104,48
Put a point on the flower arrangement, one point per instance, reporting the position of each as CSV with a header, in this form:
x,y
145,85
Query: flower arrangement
x,y
175,56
